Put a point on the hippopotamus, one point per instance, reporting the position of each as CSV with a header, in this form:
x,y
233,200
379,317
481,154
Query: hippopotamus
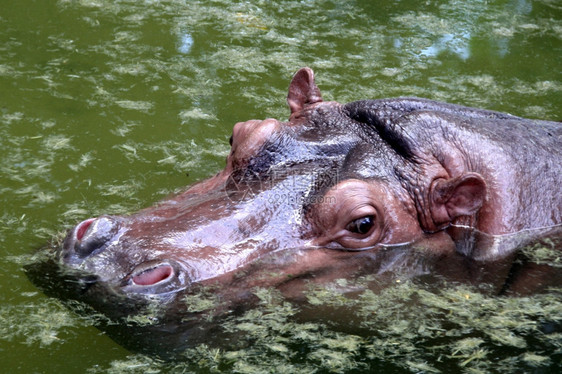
x,y
330,193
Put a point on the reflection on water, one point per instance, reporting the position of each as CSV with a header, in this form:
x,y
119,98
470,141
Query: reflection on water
x,y
484,247
185,43
457,44
449,34
368,309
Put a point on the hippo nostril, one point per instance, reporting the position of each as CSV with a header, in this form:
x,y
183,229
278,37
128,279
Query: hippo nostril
x,y
82,227
93,233
154,275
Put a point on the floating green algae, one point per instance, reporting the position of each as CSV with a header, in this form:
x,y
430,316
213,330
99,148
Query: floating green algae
x,y
43,326
455,329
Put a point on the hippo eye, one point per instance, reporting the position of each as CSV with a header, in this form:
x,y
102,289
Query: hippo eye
x,y
361,225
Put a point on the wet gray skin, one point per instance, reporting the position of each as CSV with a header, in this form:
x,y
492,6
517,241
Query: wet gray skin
x,y
338,191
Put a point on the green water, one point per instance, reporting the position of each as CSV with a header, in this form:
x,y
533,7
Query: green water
x,y
108,106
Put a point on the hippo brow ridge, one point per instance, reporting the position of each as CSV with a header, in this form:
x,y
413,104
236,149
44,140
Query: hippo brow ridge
x,y
390,132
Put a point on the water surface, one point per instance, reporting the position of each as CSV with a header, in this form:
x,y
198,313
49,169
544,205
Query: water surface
x,y
108,106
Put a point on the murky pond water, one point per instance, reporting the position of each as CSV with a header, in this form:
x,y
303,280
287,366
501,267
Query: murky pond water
x,y
108,106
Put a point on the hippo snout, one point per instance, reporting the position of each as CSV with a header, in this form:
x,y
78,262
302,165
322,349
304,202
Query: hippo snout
x,y
96,247
90,236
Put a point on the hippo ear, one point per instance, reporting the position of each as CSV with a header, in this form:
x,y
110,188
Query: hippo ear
x,y
303,91
455,197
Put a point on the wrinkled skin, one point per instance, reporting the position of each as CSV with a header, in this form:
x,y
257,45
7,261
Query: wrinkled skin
x,y
319,197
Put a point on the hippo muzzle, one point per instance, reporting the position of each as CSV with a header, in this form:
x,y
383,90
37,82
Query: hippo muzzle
x,y
83,249
190,239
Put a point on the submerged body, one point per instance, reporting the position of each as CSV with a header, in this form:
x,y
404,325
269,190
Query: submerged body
x,y
337,191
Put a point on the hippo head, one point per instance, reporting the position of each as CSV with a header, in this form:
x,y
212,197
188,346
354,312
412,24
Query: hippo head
x,y
364,191
333,180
